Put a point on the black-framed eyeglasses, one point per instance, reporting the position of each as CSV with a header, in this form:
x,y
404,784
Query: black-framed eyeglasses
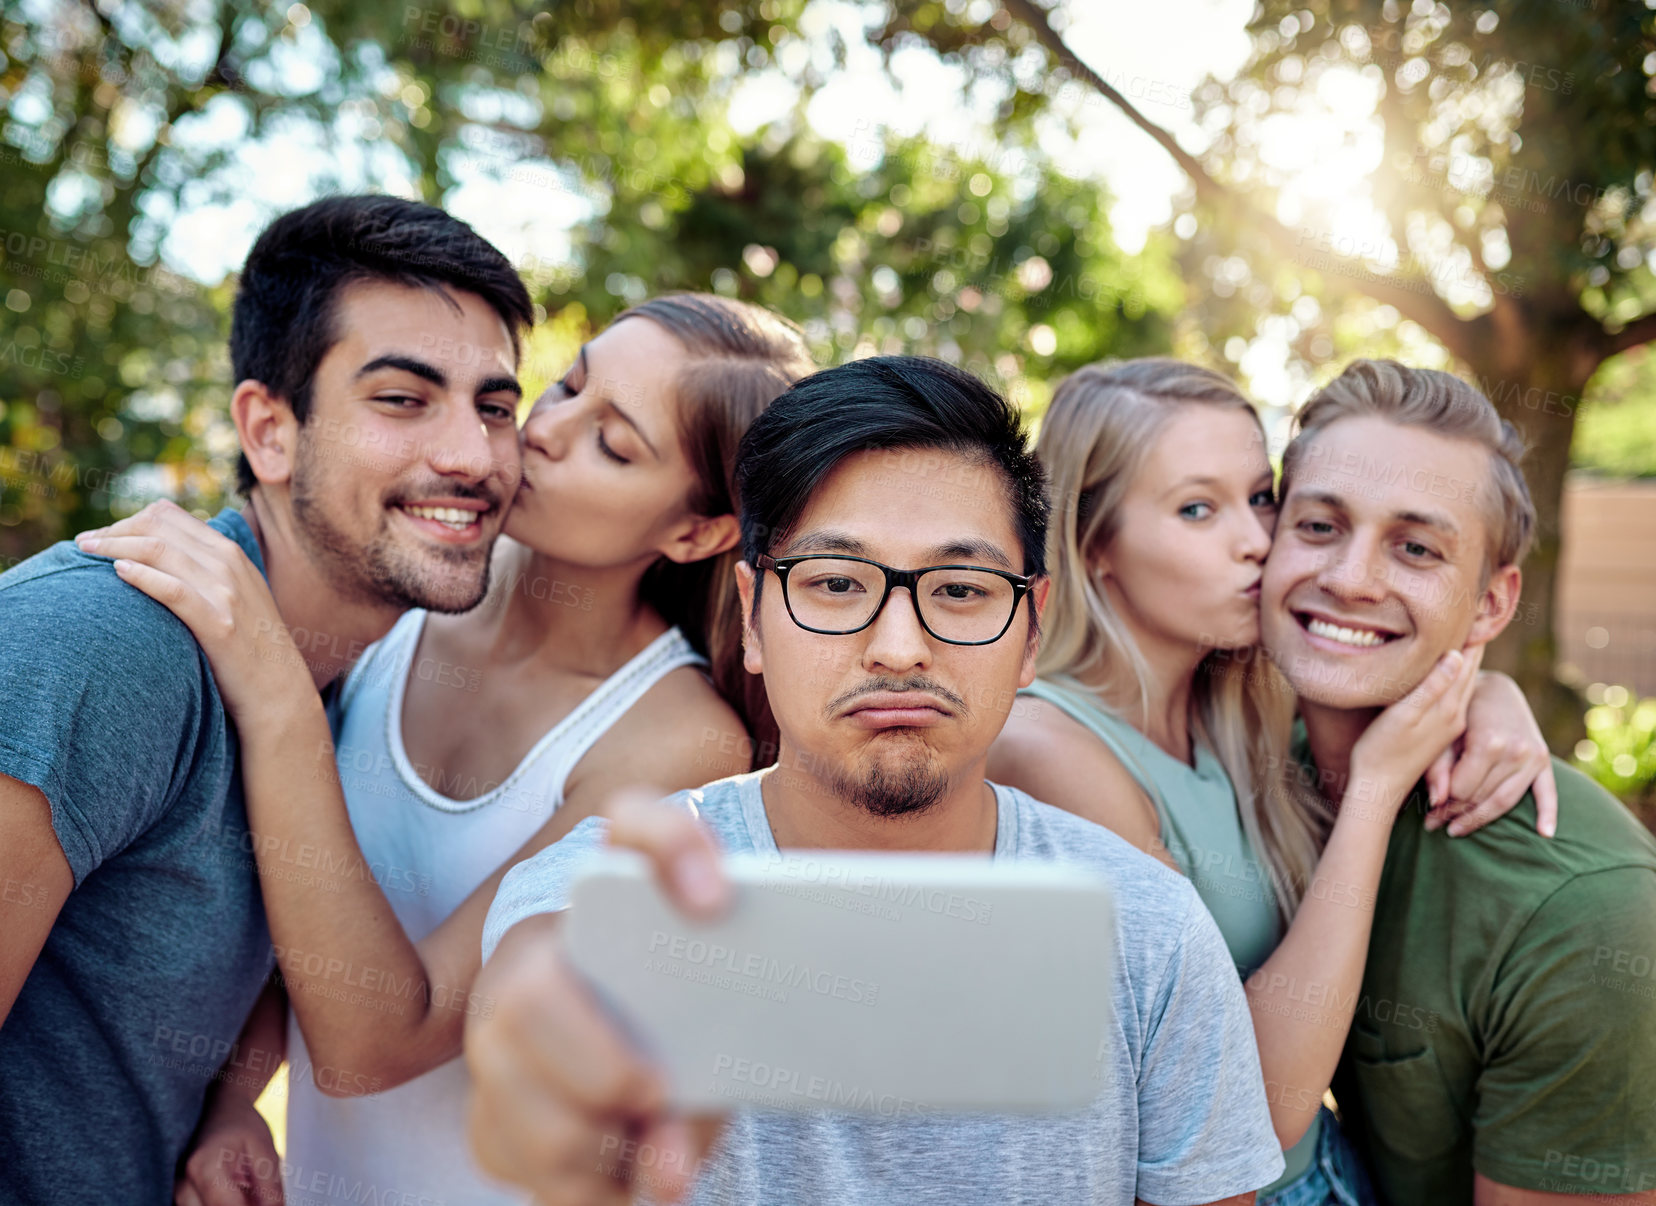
x,y
957,604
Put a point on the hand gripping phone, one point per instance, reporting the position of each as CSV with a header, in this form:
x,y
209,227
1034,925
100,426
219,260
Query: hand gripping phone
x,y
887,984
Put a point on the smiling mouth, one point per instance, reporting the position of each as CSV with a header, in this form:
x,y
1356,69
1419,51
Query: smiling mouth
x,y
453,518
1344,634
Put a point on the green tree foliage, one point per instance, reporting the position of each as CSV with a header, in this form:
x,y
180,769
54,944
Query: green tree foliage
x,y
1513,152
114,120
1620,747
1616,433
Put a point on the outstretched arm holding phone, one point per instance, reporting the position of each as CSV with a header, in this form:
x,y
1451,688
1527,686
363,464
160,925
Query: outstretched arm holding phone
x,y
565,1104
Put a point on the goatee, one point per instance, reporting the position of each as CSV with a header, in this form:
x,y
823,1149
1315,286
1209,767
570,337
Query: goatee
x,y
880,793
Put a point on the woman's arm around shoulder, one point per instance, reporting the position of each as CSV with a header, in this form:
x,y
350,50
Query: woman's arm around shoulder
x,y
1054,758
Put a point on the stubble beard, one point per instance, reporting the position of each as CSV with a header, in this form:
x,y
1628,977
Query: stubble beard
x,y
382,571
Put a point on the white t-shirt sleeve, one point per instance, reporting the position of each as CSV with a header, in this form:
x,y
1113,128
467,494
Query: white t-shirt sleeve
x,y
540,884
1204,1127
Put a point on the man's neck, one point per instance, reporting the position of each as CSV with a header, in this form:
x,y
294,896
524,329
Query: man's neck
x,y
329,629
1331,734
806,813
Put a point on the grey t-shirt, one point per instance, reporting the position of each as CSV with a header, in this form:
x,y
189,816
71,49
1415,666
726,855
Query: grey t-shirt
x,y
107,706
1181,1118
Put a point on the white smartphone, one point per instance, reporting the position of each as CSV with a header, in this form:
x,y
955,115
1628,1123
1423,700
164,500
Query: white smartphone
x,y
888,984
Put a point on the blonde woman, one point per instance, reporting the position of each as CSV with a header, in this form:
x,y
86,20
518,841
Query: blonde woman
x,y
1157,716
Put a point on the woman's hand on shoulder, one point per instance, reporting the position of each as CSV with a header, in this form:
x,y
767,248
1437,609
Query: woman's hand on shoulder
x,y
1502,756
207,581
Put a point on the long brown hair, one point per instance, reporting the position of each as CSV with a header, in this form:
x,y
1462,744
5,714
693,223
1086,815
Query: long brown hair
x,y
1102,421
742,357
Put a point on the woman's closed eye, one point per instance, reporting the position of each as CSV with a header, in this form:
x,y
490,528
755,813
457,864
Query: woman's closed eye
x,y
603,446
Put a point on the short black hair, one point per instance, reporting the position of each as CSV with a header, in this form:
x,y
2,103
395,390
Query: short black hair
x,y
286,302
896,402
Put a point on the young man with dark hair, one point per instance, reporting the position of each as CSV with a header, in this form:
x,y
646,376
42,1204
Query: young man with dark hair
x,y
375,346
894,524
1503,1051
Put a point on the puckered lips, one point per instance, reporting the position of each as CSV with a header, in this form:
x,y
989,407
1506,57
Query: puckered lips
x,y
1338,634
897,709
450,520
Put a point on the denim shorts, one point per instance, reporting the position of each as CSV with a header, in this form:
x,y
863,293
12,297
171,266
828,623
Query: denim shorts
x,y
1336,1176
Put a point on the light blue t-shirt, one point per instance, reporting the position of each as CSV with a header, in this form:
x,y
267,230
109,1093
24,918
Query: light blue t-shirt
x,y
1182,1115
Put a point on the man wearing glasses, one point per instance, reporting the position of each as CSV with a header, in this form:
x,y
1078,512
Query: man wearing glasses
x,y
894,527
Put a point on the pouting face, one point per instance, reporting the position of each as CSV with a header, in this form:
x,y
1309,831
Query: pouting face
x,y
409,456
1192,531
1378,566
890,716
604,471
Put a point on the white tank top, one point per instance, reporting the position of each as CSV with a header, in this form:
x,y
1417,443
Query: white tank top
x,y
429,850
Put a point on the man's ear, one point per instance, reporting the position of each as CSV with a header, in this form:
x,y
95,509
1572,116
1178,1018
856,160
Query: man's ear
x,y
753,660
268,431
1496,605
702,537
1037,601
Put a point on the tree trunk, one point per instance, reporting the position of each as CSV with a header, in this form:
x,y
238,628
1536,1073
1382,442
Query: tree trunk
x,y
1536,382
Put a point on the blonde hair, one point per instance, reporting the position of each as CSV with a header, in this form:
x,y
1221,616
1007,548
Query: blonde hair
x,y
1448,406
1094,437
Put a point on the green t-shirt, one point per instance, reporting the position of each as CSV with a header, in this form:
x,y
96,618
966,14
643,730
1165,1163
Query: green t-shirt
x,y
1507,1020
